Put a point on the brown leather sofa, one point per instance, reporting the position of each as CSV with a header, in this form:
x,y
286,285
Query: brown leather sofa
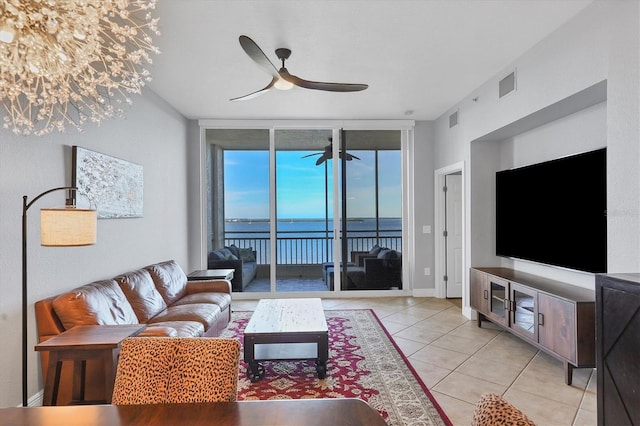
x,y
158,295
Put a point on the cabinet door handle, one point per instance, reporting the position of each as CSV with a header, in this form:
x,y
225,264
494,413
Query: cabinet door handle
x,y
486,295
506,304
540,318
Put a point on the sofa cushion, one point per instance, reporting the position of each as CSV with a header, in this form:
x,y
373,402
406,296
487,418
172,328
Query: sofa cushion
x,y
175,328
155,330
141,292
170,280
223,300
204,313
97,303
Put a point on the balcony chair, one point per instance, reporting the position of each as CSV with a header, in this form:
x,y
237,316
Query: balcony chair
x,y
163,370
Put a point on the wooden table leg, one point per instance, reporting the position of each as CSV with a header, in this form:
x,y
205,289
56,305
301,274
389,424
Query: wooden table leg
x,y
110,361
323,356
52,381
79,380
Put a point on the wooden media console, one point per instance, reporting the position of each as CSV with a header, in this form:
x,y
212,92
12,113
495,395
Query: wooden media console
x,y
556,317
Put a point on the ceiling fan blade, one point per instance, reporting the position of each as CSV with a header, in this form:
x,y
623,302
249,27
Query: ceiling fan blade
x,y
258,56
256,93
311,155
321,160
349,156
318,85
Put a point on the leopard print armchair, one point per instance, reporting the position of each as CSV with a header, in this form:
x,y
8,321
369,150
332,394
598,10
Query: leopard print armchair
x,y
492,410
161,370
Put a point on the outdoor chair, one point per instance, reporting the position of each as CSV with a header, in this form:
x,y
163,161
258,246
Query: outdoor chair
x,y
162,370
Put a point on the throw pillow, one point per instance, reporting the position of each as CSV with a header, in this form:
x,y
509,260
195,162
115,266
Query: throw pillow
x,y
234,250
231,257
216,255
246,254
375,250
391,254
225,252
382,253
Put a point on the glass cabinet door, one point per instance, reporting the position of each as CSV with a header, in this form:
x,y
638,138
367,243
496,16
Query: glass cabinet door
x,y
498,303
524,311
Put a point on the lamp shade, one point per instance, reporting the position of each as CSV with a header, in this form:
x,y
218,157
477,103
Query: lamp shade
x,y
67,227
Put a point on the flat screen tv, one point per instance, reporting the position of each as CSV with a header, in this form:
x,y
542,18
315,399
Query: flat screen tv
x,y
555,212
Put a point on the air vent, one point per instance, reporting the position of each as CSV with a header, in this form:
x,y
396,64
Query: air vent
x,y
507,85
453,119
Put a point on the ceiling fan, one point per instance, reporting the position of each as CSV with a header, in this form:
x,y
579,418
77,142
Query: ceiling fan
x,y
281,79
327,154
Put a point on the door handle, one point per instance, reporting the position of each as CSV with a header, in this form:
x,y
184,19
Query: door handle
x,y
486,295
540,318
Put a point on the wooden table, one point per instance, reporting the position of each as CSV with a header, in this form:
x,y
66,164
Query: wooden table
x,y
299,412
79,345
211,274
283,329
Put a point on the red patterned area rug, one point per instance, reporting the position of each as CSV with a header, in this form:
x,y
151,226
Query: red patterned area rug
x,y
364,362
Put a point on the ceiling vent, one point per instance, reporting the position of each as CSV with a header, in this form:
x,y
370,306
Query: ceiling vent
x,y
507,85
453,119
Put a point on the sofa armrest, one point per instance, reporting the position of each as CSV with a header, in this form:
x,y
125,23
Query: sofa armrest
x,y
224,264
235,264
361,258
373,265
355,255
209,286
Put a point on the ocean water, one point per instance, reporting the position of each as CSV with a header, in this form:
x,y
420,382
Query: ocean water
x,y
309,228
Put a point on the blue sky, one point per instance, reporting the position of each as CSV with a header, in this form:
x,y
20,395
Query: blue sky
x,y
300,185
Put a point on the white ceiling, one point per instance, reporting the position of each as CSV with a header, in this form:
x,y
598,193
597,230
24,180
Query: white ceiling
x,y
416,55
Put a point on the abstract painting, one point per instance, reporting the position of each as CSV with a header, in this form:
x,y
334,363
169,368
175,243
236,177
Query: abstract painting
x,y
112,186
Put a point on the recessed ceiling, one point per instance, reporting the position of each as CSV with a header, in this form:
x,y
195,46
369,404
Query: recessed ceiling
x,y
419,55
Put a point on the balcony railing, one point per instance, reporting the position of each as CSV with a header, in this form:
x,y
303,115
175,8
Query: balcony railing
x,y
306,250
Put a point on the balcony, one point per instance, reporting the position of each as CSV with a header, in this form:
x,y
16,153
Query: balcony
x,y
300,259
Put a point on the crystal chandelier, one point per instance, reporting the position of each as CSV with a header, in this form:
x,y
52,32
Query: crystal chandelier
x,y
63,62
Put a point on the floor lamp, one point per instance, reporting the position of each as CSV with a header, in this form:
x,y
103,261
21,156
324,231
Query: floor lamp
x,y
61,227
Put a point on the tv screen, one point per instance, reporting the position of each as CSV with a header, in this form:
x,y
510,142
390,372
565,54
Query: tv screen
x,y
555,212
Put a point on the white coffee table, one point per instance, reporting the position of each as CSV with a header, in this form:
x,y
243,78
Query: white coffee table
x,y
285,329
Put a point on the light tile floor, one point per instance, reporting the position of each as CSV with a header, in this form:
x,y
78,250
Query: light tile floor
x,y
459,361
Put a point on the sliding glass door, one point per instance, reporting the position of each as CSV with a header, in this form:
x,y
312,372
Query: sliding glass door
x,y
372,209
304,215
239,231
286,204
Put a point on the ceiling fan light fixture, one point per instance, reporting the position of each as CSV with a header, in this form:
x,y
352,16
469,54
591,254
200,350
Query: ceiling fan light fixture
x,y
281,79
282,84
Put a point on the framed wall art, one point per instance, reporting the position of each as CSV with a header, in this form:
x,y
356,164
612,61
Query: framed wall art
x,y
112,186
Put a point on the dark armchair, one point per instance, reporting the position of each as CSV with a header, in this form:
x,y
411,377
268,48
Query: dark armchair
x,y
377,269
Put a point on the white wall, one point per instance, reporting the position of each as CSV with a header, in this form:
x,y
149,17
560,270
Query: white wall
x,y
582,131
601,43
423,204
152,134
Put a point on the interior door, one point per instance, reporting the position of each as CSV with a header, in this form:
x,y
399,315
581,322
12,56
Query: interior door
x,y
453,235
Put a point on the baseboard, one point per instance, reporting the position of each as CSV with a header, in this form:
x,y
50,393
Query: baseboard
x,y
36,400
424,292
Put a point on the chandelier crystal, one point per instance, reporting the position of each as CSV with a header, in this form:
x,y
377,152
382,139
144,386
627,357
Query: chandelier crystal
x,y
66,62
